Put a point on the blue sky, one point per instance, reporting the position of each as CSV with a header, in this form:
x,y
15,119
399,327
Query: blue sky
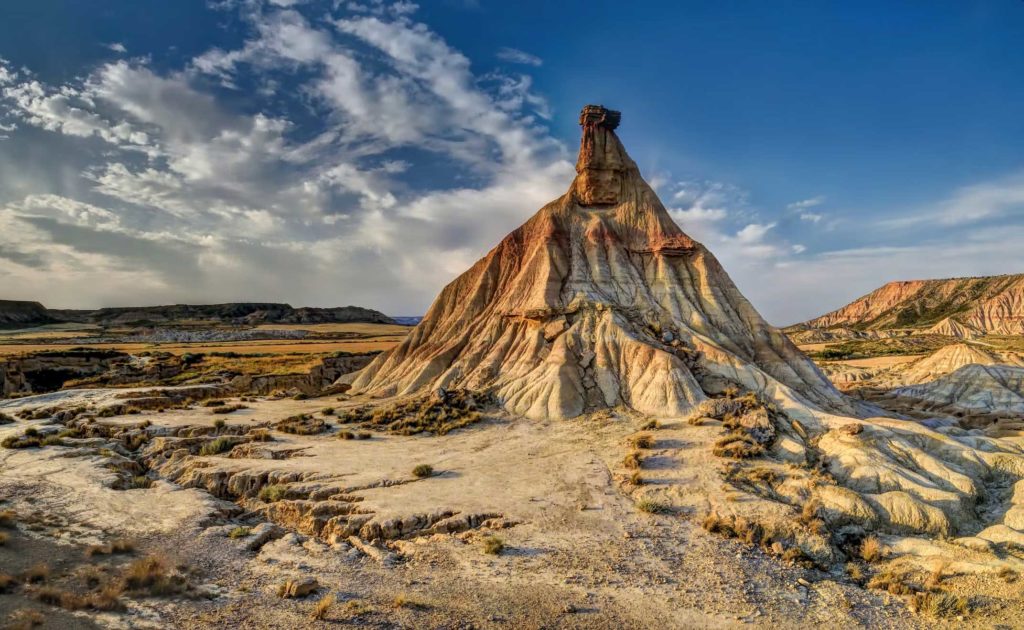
x,y
326,153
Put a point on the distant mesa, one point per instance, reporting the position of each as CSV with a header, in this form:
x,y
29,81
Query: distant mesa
x,y
252,313
598,300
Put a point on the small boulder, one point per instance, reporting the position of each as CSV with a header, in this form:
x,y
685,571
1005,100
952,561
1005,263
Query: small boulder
x,y
299,587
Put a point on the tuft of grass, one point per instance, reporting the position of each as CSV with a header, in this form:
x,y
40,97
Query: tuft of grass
x,y
272,493
634,460
6,419
636,478
347,435
219,423
356,608
423,470
301,424
650,425
941,605
322,607
493,545
118,546
261,435
300,396
891,581
871,549
239,532
217,446
7,518
213,403
36,574
644,440
225,410
151,575
7,582
404,600
651,506
1008,575
855,572
364,435
327,411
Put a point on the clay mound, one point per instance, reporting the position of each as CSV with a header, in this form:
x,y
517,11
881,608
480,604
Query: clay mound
x,y
952,328
598,300
946,360
975,388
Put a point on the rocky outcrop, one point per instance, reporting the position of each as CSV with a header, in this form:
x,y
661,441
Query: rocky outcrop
x,y
952,328
598,300
988,304
48,371
14,313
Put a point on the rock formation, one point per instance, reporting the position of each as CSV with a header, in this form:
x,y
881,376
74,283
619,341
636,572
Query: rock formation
x,y
598,300
955,306
14,313
951,358
995,389
230,313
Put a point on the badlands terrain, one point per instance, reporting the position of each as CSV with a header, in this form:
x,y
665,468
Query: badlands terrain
x,y
591,427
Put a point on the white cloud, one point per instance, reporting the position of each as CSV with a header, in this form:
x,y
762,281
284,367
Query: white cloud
x,y
117,47
811,216
753,233
514,55
807,203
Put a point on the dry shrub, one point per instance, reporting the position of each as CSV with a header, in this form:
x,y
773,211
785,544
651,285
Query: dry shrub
x,y
322,607
493,545
301,424
273,493
1008,575
651,506
737,445
7,518
217,446
855,572
633,461
892,581
151,575
7,582
650,425
261,435
3,539
941,605
239,532
404,600
636,478
643,440
423,470
228,409
37,573
347,435
356,608
871,550
117,546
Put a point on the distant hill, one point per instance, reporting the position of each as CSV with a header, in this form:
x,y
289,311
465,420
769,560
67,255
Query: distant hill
x,y
962,307
15,313
231,313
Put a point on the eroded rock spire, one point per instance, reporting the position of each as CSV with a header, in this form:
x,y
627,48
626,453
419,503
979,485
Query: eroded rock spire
x,y
603,162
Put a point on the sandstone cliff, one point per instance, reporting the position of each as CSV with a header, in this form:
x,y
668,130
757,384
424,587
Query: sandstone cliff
x,y
598,300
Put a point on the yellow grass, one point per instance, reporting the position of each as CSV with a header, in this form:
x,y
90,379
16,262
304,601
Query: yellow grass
x,y
886,361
